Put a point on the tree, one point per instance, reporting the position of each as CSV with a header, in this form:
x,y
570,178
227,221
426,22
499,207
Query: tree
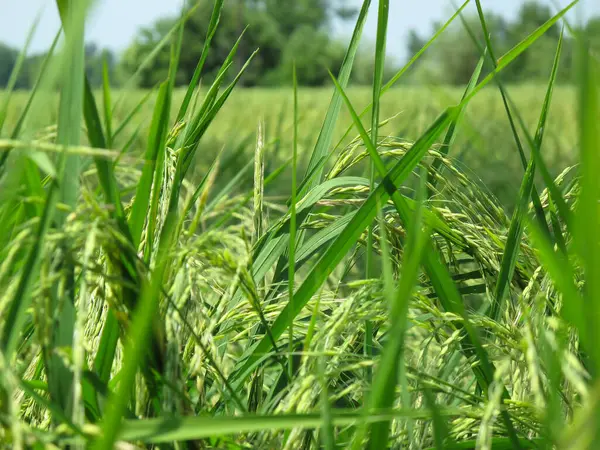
x,y
8,58
454,56
312,53
536,62
272,25
592,30
95,59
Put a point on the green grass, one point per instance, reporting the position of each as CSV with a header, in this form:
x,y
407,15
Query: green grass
x,y
482,144
229,268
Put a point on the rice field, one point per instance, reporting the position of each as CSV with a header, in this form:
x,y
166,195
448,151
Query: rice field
x,y
480,147
232,269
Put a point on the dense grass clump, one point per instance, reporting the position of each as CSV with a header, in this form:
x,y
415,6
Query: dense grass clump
x,y
320,290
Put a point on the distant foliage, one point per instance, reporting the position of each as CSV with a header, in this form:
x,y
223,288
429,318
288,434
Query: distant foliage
x,y
453,57
95,58
300,31
283,30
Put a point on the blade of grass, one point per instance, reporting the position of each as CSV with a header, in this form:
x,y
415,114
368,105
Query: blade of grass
x,y
172,429
292,250
328,128
156,141
513,242
212,28
348,237
438,273
534,194
137,108
587,216
107,103
383,390
451,134
70,115
380,48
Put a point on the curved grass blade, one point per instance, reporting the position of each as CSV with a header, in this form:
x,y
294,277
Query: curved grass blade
x,y
513,242
409,64
212,28
383,390
327,130
349,236
451,134
446,290
292,245
176,429
509,113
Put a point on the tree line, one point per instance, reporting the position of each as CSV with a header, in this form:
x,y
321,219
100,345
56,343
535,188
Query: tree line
x,y
299,32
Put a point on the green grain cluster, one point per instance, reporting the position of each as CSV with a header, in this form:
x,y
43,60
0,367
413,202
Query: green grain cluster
x,y
216,274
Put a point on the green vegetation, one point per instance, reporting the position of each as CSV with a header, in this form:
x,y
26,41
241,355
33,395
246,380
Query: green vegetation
x,y
222,268
480,148
300,32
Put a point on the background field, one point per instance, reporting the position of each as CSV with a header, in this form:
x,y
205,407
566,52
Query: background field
x,y
483,145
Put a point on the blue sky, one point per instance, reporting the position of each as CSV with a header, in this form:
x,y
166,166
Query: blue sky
x,y
114,22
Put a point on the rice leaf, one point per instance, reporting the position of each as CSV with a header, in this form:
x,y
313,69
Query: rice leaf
x,y
326,134
513,242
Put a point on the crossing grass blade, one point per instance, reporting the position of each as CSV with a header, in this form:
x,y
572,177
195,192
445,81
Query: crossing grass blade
x,y
423,49
166,39
347,238
509,113
178,429
107,103
587,215
383,390
292,249
513,242
410,62
518,49
212,28
444,287
131,114
326,134
451,134
380,49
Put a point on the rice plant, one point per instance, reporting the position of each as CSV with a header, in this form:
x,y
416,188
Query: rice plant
x,y
384,299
